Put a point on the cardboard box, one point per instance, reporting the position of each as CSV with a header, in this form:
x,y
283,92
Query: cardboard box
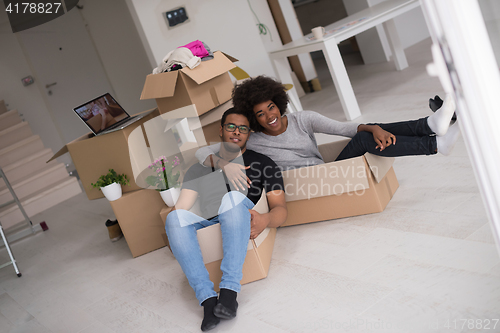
x,y
356,186
3,107
138,216
207,86
210,124
156,138
259,250
93,156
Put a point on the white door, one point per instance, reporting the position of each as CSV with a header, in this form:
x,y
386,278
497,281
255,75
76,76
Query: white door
x,y
464,36
65,60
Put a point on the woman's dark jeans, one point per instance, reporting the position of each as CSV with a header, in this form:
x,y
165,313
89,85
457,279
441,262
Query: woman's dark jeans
x,y
413,137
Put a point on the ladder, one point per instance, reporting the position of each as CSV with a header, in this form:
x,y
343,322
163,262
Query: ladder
x,y
32,229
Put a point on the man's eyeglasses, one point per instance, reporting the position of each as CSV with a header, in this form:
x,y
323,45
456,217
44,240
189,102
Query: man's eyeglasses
x,y
232,127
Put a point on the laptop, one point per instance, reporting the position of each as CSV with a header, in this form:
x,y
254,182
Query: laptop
x,y
104,115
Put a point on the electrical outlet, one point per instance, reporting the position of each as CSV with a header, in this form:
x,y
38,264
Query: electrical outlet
x,y
176,16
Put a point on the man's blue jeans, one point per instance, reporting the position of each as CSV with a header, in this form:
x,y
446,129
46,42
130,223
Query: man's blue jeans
x,y
234,219
413,137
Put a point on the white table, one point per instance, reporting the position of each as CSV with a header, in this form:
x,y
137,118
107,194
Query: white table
x,y
382,13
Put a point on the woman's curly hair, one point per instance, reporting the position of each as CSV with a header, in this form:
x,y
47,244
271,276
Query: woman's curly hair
x,y
255,91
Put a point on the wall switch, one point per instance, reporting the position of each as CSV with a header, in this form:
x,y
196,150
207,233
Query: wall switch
x,y
176,16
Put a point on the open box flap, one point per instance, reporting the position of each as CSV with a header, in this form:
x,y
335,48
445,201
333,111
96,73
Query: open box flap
x,y
175,116
181,113
216,113
159,85
209,236
209,69
330,151
64,149
233,59
327,179
379,165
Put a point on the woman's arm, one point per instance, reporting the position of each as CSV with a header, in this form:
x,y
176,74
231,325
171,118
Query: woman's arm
x,y
314,122
317,123
203,154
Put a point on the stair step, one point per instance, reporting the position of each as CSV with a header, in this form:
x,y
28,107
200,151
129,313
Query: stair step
x,y
21,168
14,134
20,150
8,119
34,182
40,201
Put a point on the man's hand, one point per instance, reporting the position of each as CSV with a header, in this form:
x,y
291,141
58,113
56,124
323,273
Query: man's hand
x,y
258,223
235,173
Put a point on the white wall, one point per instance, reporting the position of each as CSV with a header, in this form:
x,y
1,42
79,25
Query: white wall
x,y
411,27
120,50
272,39
117,41
225,25
27,100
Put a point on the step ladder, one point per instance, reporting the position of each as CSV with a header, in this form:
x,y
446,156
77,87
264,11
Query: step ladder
x,y
32,229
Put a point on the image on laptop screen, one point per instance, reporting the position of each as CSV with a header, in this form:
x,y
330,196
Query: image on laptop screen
x,y
101,113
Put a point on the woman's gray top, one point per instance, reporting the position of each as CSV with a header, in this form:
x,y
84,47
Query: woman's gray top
x,y
296,147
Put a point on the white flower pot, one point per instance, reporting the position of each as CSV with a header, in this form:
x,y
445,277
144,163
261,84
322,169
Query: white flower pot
x,y
170,196
112,191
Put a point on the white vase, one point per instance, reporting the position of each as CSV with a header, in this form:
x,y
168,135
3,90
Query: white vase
x,y
170,196
112,191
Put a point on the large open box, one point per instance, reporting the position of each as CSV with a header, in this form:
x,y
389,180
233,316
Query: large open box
x,y
356,186
93,156
259,250
207,86
138,216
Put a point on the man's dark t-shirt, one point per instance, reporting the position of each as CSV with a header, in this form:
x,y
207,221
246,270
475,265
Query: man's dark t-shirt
x,y
212,184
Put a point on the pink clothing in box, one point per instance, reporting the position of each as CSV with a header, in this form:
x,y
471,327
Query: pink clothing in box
x,y
197,48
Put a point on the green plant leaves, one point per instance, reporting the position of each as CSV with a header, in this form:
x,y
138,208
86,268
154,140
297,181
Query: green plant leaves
x,y
110,178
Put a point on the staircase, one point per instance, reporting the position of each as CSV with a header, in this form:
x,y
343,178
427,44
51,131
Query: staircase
x,y
37,184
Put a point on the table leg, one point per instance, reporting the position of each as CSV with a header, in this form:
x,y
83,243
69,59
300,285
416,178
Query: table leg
x,y
282,69
341,80
398,53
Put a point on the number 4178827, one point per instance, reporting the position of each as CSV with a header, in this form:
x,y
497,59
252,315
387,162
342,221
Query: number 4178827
x,y
33,8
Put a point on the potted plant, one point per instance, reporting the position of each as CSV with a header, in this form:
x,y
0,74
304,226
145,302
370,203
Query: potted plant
x,y
165,180
111,184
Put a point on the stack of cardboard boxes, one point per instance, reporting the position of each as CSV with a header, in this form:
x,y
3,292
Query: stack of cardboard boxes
x,y
138,210
335,189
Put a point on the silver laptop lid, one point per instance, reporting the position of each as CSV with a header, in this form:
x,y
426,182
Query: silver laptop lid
x,y
102,113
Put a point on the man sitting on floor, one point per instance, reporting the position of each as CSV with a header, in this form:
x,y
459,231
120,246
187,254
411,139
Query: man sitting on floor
x,y
221,203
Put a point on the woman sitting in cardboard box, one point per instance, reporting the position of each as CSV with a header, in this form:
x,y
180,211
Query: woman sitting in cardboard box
x,y
289,139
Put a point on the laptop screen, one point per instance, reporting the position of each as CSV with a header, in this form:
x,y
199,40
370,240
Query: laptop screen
x,y
101,113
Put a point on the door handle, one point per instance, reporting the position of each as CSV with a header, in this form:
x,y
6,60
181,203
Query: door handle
x,y
50,85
